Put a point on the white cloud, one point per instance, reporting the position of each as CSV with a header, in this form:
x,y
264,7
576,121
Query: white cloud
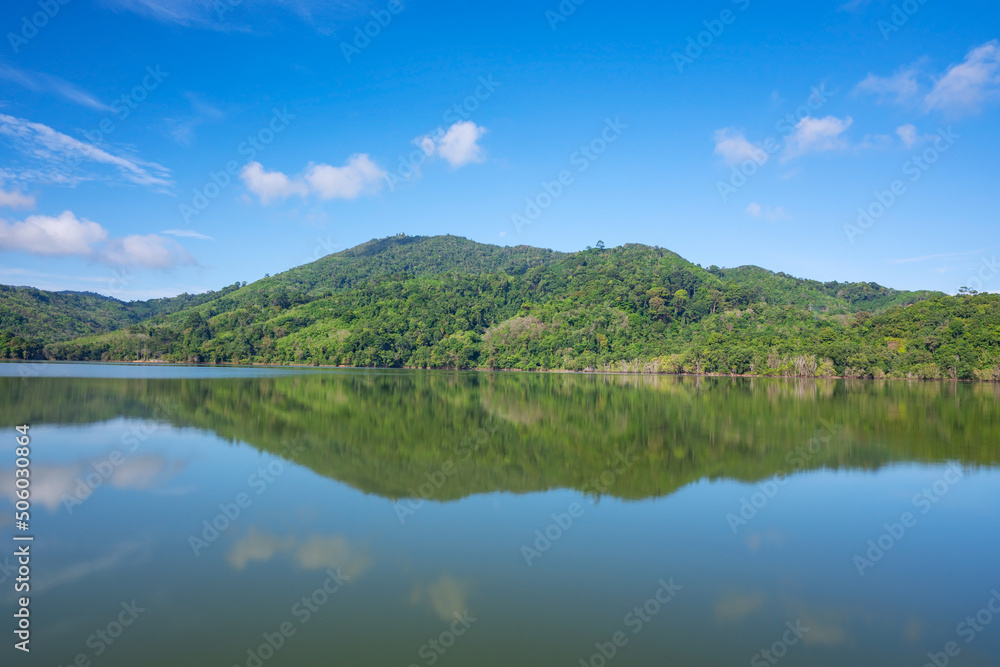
x,y
766,212
732,146
62,235
317,552
901,87
65,235
270,185
965,87
14,198
149,251
359,175
447,596
46,83
459,144
910,136
908,133
53,484
63,155
816,135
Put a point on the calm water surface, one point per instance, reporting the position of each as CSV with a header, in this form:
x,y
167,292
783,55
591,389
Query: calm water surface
x,y
235,516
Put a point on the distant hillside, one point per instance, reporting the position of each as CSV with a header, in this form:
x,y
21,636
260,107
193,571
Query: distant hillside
x,y
44,317
447,302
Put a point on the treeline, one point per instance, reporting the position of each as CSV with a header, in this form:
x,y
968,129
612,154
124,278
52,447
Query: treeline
x,y
446,302
42,317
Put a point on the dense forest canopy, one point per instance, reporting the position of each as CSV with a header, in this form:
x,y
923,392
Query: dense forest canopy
x,y
447,302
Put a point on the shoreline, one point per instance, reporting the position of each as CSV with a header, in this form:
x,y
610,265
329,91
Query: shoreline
x,y
163,362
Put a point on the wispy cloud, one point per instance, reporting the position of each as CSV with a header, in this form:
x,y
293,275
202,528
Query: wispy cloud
x,y
187,233
910,136
14,198
901,87
221,15
967,86
766,212
51,85
817,135
943,255
182,130
734,148
963,89
63,156
855,5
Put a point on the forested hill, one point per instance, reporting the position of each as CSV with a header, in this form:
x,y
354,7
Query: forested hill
x,y
446,301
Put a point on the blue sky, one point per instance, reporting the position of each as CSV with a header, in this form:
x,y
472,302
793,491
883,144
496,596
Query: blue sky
x,y
150,148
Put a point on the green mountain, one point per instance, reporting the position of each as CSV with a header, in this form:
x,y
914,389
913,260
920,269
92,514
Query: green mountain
x,y
447,302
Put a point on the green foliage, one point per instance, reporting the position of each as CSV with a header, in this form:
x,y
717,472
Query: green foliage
x,y
388,432
31,318
447,302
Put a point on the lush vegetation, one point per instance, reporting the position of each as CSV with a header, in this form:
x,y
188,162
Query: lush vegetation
x,y
30,317
391,432
446,302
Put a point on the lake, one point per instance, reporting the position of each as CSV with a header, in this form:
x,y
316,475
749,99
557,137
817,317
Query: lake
x,y
280,516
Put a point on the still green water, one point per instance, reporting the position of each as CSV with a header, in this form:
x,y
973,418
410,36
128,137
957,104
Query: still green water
x,y
259,516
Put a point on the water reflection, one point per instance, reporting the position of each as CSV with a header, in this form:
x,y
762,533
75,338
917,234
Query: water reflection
x,y
443,436
383,517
